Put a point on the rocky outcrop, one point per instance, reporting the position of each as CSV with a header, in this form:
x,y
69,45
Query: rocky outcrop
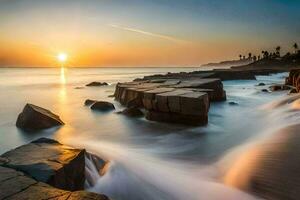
x,y
261,84
89,102
36,118
44,169
173,100
50,162
294,79
16,185
270,170
132,112
279,87
103,106
96,84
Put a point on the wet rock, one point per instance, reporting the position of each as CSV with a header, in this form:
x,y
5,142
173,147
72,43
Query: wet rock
x,y
96,84
35,118
293,91
50,162
132,112
275,88
294,79
265,90
103,106
169,100
232,103
79,88
15,185
89,102
261,84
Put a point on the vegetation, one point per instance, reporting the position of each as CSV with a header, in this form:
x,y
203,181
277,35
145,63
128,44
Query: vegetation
x,y
275,55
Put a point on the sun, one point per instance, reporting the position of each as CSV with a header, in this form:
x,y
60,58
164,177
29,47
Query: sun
x,y
62,57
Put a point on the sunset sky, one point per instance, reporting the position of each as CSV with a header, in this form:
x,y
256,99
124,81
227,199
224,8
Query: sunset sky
x,y
144,33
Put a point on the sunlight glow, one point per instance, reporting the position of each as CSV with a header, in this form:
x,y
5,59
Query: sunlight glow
x,y
62,57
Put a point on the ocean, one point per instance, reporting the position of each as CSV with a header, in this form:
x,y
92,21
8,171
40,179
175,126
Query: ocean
x,y
148,160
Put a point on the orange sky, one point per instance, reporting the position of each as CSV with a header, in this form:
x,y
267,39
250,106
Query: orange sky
x,y
107,33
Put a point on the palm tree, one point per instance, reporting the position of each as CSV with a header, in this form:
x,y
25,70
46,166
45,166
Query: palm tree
x,y
254,58
278,48
295,47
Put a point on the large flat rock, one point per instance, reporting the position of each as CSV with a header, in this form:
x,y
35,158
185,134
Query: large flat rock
x,y
172,99
50,162
15,185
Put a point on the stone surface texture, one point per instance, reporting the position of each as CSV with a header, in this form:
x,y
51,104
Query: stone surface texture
x,y
44,169
294,80
36,118
172,98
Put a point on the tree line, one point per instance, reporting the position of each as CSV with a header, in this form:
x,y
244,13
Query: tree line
x,y
266,54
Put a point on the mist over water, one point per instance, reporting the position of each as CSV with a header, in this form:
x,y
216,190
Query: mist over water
x,y
147,160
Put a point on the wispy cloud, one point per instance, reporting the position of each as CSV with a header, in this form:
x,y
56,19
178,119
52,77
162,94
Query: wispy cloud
x,y
161,36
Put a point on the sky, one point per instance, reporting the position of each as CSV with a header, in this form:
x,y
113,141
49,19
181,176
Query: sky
x,y
140,33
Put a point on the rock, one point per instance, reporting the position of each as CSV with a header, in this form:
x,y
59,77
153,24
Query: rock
x,y
96,84
103,106
15,185
294,79
177,118
50,162
293,91
265,90
169,100
261,84
89,102
79,88
275,88
132,112
111,96
270,170
36,118
232,103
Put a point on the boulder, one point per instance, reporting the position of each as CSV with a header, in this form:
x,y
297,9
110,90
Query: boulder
x,y
36,118
79,88
48,161
293,91
261,84
96,84
16,185
103,106
275,88
293,79
265,90
132,112
89,102
232,103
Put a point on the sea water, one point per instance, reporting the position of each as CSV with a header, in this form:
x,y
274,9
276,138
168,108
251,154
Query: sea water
x,y
148,160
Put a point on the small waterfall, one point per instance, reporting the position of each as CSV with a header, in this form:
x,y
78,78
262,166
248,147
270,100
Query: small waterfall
x,y
94,169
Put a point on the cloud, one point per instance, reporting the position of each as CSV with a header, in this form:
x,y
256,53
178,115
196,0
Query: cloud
x,y
156,35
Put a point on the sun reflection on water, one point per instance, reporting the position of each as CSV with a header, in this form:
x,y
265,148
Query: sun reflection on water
x,y
63,81
62,76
